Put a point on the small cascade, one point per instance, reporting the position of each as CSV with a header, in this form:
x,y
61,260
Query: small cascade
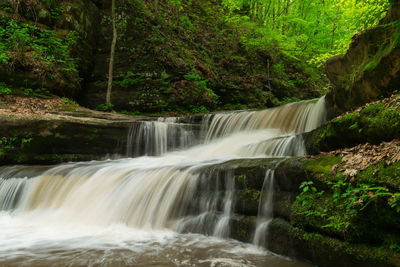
x,y
10,190
222,228
155,138
208,204
265,210
293,118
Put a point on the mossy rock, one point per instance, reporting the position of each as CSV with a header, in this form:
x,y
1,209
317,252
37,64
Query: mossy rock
x,y
49,141
374,123
358,75
286,239
334,207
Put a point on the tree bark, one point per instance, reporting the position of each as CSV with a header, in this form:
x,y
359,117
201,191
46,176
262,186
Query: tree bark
x,y
112,53
334,27
156,6
253,11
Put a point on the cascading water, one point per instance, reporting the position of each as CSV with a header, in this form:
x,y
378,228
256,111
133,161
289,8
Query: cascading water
x,y
155,138
147,200
265,209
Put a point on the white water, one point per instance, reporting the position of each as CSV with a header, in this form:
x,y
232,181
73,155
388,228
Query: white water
x,y
154,138
136,204
265,209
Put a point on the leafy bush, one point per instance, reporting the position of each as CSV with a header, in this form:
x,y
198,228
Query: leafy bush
x,y
105,107
4,90
29,45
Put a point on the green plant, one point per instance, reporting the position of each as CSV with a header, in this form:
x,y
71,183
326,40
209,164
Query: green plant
x,y
359,197
395,247
287,100
338,223
28,92
308,186
252,193
67,101
201,109
20,41
42,91
4,90
8,144
394,201
105,107
308,190
201,85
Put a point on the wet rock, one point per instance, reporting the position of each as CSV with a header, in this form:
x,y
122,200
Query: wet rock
x,y
370,68
56,138
283,238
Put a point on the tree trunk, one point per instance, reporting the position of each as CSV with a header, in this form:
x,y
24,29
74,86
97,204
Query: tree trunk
x,y
334,26
156,6
252,10
112,53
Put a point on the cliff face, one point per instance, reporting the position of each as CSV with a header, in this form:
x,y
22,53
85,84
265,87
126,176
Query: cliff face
x,y
371,67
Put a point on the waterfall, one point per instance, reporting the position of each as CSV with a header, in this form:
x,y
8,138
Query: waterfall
x,y
155,138
292,118
180,189
265,209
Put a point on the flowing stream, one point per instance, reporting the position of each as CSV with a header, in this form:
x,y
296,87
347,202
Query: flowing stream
x,y
166,204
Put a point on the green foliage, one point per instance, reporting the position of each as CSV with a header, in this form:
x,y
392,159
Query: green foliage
x,y
128,80
105,107
201,110
25,43
313,30
252,193
374,123
287,100
349,209
67,101
8,144
307,186
308,190
201,85
185,20
28,92
4,90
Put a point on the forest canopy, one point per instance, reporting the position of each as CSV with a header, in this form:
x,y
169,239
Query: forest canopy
x,y
311,30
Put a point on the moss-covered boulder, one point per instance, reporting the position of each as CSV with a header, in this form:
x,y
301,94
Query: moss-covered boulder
x,y
371,66
284,238
373,123
354,206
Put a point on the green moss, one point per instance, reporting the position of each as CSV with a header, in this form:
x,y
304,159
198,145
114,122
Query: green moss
x,y
360,211
374,124
321,164
380,174
325,250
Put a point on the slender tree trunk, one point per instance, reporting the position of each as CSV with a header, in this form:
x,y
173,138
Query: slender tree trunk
x,y
156,5
112,53
253,11
334,26
16,7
